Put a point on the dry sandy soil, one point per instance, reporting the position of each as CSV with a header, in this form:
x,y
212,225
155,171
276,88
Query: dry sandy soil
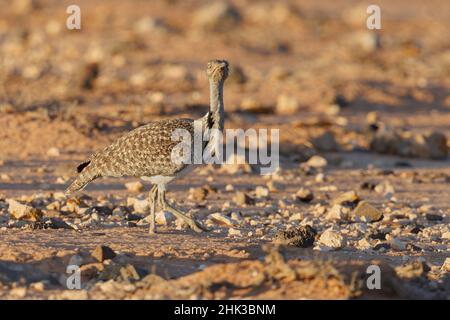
x,y
312,69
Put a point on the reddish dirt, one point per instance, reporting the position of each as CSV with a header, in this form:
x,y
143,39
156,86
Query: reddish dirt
x,y
314,52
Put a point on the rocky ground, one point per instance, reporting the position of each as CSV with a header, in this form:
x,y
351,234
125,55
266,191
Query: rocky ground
x,y
364,175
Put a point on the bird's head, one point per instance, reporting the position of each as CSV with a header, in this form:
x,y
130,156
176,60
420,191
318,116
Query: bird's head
x,y
217,70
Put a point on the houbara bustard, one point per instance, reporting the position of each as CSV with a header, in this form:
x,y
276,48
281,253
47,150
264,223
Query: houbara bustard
x,y
146,151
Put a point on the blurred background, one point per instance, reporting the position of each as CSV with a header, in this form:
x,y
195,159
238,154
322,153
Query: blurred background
x,y
305,67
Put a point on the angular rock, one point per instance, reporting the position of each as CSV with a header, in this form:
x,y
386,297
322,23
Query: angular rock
x,y
261,192
242,198
304,195
332,239
365,212
338,212
102,253
301,237
20,211
222,219
349,198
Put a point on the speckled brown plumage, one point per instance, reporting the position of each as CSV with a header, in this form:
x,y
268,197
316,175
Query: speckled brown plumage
x,y
145,151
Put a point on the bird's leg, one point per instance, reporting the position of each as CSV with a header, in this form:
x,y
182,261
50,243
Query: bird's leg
x,y
152,197
194,225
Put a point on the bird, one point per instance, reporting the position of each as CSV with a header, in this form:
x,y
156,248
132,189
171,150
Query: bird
x,y
145,152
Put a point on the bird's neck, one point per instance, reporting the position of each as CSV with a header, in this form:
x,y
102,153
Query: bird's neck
x,y
216,116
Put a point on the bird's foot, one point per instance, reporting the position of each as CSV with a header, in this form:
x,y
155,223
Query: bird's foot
x,y
193,224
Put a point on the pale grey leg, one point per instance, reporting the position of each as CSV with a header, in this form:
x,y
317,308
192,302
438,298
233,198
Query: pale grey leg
x,y
193,224
152,198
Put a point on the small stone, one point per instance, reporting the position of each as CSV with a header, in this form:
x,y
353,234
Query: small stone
x,y
198,194
222,219
332,239
304,195
261,192
320,178
163,218
37,286
287,105
53,152
18,293
349,198
325,142
140,206
236,216
317,162
301,237
134,186
20,211
72,204
337,212
386,189
102,253
365,212
229,187
397,244
55,205
242,198
234,232
363,244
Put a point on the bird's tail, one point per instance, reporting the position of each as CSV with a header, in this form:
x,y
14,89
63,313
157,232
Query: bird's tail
x,y
87,173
